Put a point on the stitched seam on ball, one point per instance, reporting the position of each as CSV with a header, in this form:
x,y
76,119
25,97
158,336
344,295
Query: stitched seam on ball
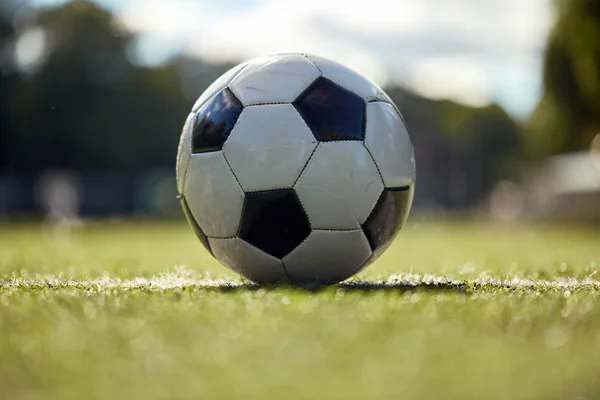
x,y
297,246
365,262
275,190
296,181
338,230
237,74
238,231
346,89
313,63
190,154
374,162
241,188
195,222
307,88
306,164
364,122
184,177
335,83
225,86
180,149
268,190
340,141
221,237
232,172
228,136
236,95
394,106
378,173
304,120
268,103
285,270
305,214
314,141
304,210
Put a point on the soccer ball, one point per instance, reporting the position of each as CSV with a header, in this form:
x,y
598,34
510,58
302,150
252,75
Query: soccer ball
x,y
294,168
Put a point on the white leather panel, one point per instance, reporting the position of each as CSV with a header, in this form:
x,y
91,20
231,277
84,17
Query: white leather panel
x,y
274,79
327,256
269,147
247,260
388,141
213,194
349,79
220,83
340,185
183,151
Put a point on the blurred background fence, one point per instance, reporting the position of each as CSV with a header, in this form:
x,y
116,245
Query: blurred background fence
x,y
502,98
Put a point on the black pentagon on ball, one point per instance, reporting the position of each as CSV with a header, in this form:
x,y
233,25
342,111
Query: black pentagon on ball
x,y
385,220
192,221
274,221
214,122
332,112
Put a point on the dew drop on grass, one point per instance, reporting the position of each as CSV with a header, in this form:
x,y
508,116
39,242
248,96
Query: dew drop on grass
x,y
518,328
566,311
415,297
255,308
556,337
467,268
89,310
563,267
4,299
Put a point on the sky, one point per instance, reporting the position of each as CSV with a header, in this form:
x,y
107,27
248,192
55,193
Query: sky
x,y
471,51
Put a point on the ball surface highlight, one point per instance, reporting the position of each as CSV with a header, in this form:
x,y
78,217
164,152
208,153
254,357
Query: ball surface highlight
x,y
294,168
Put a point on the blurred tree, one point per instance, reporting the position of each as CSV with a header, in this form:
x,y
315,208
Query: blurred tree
x,y
568,115
87,107
81,103
461,151
7,32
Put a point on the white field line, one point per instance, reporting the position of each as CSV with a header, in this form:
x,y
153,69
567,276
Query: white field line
x,y
486,282
177,280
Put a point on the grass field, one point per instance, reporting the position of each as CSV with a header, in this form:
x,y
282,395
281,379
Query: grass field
x,y
138,311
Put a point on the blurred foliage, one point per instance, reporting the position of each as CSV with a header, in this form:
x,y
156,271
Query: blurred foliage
x,y
568,116
87,106
461,151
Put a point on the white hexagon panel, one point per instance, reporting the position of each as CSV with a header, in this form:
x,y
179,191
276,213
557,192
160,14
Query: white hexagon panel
x,y
269,147
213,194
217,85
388,142
339,186
349,79
247,260
328,256
183,151
274,79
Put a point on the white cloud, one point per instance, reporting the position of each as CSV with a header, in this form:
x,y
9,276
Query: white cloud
x,y
172,18
443,48
448,77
